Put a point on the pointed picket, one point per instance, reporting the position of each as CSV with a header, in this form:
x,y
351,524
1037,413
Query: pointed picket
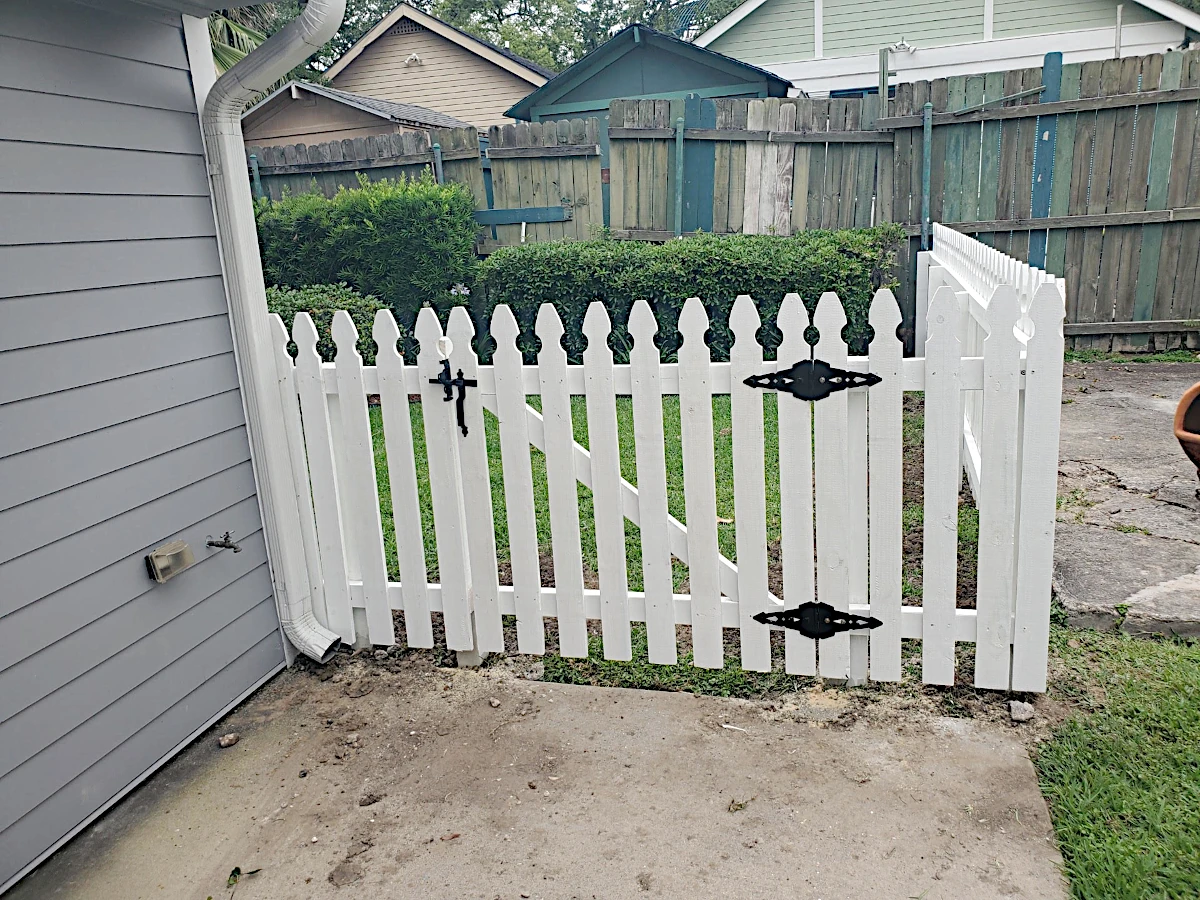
x,y
362,490
998,485
518,483
1039,484
749,484
560,478
652,485
886,478
285,373
326,503
441,445
856,524
477,490
830,425
606,483
402,479
796,490
699,486
943,476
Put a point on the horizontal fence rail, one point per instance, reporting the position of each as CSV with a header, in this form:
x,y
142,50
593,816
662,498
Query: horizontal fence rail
x,y
991,377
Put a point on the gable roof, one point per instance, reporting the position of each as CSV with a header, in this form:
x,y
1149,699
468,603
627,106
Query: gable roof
x,y
401,113
504,58
623,42
1164,8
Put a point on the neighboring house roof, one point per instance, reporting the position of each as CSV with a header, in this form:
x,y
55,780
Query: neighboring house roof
x,y
501,56
1165,8
626,40
401,113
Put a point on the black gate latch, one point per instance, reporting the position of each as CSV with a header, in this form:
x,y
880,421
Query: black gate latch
x,y
816,620
450,384
812,379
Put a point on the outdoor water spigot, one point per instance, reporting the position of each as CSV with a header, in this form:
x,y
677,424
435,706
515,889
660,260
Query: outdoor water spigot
x,y
224,542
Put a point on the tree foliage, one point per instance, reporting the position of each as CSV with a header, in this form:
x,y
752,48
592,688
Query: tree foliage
x,y
552,33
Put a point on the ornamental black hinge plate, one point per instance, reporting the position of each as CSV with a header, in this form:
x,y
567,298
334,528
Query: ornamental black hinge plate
x,y
812,379
816,620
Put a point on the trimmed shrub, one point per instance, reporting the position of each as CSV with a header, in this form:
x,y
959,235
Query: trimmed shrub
x,y
321,301
716,268
407,242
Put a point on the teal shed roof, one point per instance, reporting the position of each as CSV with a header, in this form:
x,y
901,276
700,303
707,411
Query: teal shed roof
x,y
641,62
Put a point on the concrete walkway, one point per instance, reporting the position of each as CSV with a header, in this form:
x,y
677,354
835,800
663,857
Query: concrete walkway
x,y
407,781
1127,544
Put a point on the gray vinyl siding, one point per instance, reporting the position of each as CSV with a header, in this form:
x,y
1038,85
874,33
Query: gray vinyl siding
x,y
121,422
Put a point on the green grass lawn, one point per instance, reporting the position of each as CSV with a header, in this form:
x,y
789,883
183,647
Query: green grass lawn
x,y
1122,774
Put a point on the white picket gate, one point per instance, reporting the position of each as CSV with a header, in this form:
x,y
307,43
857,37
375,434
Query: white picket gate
x,y
991,375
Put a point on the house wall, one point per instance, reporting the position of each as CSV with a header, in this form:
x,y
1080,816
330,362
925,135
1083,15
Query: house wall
x,y
777,30
449,78
311,120
949,37
121,423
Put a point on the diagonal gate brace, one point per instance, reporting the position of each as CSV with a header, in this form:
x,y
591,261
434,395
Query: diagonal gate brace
x,y
676,530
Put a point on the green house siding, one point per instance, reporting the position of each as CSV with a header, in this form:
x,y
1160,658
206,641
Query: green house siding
x,y
854,27
778,31
648,70
1014,18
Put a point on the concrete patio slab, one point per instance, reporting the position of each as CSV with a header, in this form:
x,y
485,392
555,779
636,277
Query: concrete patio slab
x,y
1127,545
407,781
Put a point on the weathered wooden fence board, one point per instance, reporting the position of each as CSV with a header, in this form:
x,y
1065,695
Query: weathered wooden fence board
x,y
1091,170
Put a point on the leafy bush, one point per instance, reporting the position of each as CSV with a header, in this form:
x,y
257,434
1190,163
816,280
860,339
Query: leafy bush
x,y
407,242
716,268
321,301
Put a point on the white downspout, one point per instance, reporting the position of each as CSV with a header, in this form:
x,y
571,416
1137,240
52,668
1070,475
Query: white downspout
x,y
236,232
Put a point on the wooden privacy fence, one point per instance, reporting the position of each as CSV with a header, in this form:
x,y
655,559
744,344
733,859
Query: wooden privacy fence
x,y
1093,174
450,154
839,473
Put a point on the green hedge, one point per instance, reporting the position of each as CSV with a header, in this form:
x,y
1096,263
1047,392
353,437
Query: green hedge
x,y
717,268
408,242
321,301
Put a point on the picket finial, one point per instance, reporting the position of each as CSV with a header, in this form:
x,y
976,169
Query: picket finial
x,y
943,312
385,331
549,326
428,329
279,331
693,321
642,324
345,334
830,317
792,321
504,326
461,330
1003,309
885,313
596,326
304,333
744,320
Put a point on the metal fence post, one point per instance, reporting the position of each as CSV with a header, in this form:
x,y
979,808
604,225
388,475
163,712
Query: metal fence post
x,y
679,176
926,148
255,180
438,175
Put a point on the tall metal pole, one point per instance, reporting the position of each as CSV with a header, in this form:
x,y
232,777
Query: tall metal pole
x,y
926,147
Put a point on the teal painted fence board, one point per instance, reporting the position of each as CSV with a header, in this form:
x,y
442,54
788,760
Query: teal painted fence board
x,y
1044,157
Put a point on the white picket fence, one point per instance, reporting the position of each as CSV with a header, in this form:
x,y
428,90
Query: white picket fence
x,y
840,479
